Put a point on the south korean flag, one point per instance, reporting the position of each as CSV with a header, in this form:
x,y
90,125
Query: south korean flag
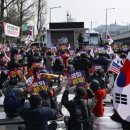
x,y
121,91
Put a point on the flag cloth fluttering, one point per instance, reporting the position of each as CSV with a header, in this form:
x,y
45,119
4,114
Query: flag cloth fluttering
x,y
114,67
121,91
29,37
109,39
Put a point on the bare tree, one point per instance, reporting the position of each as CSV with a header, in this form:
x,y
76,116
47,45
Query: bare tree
x,y
19,12
25,11
41,7
11,13
4,7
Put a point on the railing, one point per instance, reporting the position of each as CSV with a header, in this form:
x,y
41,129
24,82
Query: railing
x,y
121,35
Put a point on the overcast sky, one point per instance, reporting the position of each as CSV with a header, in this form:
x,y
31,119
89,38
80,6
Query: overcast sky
x,y
90,10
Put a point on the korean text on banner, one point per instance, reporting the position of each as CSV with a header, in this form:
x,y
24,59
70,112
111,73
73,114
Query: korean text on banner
x,y
77,78
11,30
36,86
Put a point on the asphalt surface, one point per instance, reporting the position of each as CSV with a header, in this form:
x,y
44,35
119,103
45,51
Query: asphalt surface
x,y
101,123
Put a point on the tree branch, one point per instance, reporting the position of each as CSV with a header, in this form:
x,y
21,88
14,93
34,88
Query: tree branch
x,y
8,4
27,8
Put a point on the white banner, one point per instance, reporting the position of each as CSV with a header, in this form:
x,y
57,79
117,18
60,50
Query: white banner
x,y
11,30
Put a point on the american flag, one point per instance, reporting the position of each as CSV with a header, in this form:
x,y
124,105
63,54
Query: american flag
x,y
114,67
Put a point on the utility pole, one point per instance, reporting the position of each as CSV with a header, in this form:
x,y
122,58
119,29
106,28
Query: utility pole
x,y
106,18
53,8
92,25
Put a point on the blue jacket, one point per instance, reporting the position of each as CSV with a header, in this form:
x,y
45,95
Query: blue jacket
x,y
36,118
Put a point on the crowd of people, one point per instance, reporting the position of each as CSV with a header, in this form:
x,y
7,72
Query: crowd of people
x,y
28,75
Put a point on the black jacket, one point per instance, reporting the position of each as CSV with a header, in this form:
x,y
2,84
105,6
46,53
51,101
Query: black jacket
x,y
70,106
103,81
58,68
102,60
83,64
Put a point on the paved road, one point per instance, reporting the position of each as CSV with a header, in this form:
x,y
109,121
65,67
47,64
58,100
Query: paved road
x,y
102,123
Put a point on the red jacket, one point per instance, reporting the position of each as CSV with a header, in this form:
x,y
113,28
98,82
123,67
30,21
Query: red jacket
x,y
99,108
65,58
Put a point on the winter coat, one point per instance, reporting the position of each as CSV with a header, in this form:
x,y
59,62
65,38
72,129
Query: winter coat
x,y
58,68
36,118
48,62
102,60
83,64
99,108
71,106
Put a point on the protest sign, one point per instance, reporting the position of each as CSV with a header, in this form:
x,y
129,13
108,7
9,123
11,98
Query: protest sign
x,y
37,86
98,67
77,78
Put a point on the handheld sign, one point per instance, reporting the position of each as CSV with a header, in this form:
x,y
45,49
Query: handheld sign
x,y
77,78
40,85
36,86
97,67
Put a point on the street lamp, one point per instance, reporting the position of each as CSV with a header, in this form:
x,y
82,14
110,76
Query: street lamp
x,y
106,18
92,24
51,9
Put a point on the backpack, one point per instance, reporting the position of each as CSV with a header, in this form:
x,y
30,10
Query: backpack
x,y
11,103
48,61
83,116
